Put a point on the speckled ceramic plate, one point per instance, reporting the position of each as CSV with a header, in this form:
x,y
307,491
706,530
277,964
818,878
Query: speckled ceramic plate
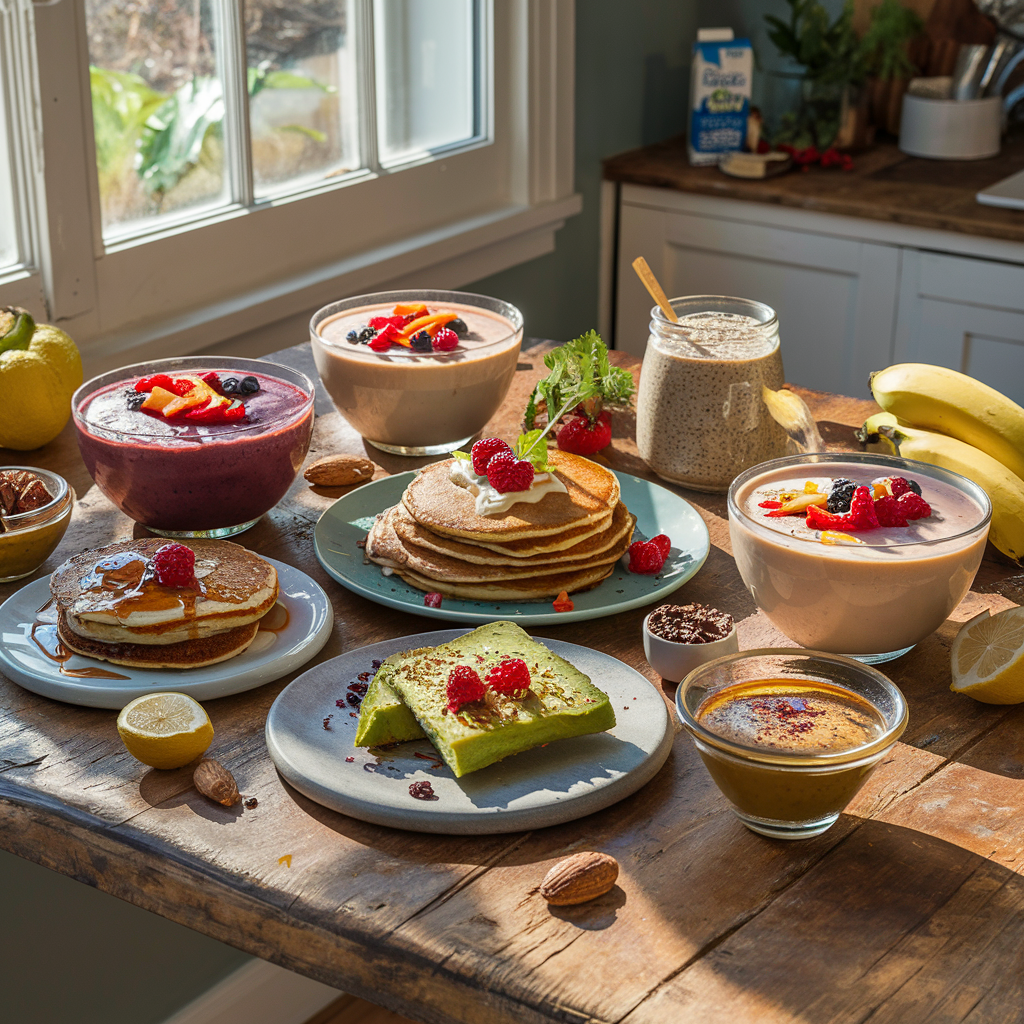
x,y
546,786
656,508
270,656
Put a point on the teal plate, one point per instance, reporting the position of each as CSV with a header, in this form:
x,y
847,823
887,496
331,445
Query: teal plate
x,y
656,508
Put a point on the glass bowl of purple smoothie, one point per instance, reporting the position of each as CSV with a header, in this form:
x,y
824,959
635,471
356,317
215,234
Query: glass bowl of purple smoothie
x,y
184,479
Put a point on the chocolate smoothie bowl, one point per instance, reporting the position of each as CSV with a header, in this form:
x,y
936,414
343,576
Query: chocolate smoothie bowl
x,y
417,372
201,446
861,555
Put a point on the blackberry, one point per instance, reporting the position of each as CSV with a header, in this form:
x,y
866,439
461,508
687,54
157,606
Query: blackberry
x,y
366,333
229,385
915,487
421,342
134,399
249,386
459,327
840,494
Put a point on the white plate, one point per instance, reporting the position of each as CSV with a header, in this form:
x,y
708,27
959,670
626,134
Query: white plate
x,y
656,508
546,786
310,620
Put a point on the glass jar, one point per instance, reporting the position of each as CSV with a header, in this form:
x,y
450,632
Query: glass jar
x,y
701,418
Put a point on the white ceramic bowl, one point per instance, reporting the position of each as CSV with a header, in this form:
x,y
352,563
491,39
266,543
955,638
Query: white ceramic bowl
x,y
673,660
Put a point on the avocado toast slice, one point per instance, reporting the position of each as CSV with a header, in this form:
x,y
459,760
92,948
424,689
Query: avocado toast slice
x,y
561,701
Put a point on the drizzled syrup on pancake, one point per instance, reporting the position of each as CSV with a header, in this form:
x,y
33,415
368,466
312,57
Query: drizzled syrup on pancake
x,y
44,636
126,582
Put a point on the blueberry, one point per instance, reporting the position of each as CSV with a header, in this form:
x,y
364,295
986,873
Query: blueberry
x,y
249,386
134,399
353,336
840,494
459,327
421,342
229,385
366,333
915,487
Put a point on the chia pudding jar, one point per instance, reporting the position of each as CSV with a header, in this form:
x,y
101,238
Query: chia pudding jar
x,y
700,416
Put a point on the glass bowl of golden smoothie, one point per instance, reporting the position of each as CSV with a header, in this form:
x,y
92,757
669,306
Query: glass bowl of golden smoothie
x,y
840,581
788,735
417,372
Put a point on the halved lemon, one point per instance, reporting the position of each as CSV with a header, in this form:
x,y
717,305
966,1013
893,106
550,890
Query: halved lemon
x,y
988,657
165,730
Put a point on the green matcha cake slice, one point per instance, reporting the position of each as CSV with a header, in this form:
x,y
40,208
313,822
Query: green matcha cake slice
x,y
383,716
561,701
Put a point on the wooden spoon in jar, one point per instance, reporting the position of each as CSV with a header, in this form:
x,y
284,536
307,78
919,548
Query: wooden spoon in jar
x,y
644,272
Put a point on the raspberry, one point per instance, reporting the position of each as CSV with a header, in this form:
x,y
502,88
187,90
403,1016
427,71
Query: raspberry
x,y
213,381
445,340
860,517
889,512
464,687
174,565
645,558
581,437
433,599
563,603
380,343
898,485
510,678
158,380
484,450
378,323
913,506
507,473
663,543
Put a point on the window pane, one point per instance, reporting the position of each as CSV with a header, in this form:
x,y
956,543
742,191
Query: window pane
x,y
303,112
426,69
157,100
8,236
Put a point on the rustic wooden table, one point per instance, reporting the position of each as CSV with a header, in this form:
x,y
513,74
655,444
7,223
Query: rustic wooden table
x,y
911,908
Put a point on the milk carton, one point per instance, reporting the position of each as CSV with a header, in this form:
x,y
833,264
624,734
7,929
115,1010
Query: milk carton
x,y
719,94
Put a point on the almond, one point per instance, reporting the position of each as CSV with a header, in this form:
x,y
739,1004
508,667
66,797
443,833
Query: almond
x,y
339,471
213,780
581,877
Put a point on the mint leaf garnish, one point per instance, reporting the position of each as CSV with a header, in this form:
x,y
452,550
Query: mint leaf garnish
x,y
533,446
465,456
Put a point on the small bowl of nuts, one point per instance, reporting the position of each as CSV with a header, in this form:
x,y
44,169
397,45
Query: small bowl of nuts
x,y
678,638
35,509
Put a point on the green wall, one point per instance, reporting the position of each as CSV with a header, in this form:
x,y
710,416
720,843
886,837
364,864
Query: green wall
x,y
632,81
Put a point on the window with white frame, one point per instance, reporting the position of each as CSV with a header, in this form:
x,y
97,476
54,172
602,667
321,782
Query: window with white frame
x,y
240,162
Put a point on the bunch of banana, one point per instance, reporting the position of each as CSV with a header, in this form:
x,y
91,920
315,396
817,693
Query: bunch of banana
x,y
948,419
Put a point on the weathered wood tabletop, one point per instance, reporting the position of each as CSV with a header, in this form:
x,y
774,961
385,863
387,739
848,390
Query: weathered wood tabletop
x,y
909,909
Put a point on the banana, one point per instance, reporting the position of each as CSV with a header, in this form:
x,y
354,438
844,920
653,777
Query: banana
x,y
1005,489
936,398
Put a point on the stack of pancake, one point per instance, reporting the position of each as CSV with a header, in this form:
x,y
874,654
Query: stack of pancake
x,y
435,540
111,606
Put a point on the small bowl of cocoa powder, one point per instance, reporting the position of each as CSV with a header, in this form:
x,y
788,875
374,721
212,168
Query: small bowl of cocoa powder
x,y
679,637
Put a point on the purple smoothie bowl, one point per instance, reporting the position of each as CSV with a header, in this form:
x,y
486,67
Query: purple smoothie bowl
x,y
181,479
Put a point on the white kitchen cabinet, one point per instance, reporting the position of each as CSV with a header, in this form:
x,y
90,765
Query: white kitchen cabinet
x,y
853,295
967,314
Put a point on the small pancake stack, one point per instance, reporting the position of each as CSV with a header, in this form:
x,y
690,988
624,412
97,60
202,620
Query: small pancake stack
x,y
111,606
436,541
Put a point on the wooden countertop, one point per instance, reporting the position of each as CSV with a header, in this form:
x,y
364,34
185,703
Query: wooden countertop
x,y
911,908
884,185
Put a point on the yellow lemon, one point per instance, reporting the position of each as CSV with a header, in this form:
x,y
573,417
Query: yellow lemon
x,y
40,368
988,657
165,730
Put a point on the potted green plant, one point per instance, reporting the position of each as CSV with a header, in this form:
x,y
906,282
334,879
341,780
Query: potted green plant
x,y
887,53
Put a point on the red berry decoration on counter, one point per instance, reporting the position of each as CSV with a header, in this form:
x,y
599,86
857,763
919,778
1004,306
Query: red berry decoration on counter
x,y
581,437
913,506
464,687
510,678
433,599
445,340
484,450
506,473
174,565
645,558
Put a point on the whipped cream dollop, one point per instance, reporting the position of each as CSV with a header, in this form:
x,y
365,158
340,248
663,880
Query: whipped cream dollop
x,y
490,501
